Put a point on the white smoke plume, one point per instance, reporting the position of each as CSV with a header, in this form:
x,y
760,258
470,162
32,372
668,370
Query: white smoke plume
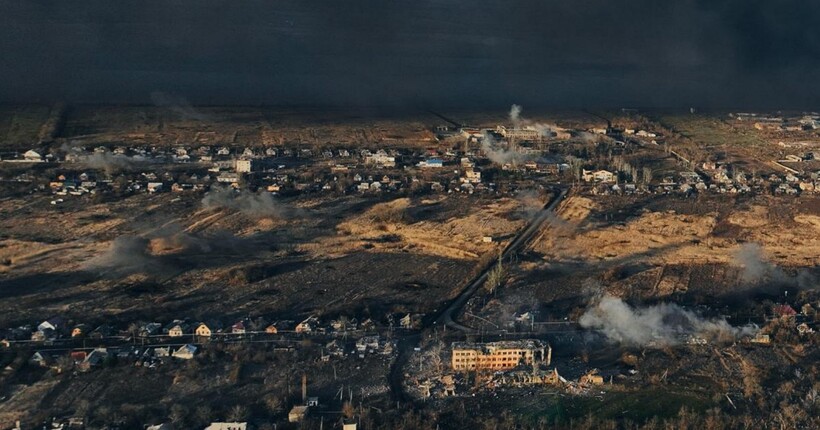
x,y
515,115
499,153
753,264
544,130
113,163
178,105
255,205
660,325
757,271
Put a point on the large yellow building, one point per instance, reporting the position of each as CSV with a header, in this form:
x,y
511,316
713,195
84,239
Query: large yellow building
x,y
500,355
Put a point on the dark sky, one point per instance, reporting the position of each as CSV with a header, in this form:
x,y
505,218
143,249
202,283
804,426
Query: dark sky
x,y
449,53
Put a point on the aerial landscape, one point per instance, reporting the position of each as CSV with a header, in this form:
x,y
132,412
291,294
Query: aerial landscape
x,y
409,216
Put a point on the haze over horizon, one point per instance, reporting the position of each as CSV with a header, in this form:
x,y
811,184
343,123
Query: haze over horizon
x,y
447,53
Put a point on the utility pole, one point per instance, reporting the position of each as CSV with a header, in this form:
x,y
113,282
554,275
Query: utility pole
x,y
304,387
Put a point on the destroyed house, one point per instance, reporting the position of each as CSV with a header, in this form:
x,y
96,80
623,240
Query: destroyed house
x,y
499,355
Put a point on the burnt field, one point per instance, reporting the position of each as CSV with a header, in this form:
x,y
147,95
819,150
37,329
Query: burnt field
x,y
731,255
169,256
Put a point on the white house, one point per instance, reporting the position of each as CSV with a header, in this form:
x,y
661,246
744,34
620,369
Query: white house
x,y
597,176
32,155
243,165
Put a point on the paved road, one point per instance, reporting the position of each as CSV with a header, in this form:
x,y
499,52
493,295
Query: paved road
x,y
450,314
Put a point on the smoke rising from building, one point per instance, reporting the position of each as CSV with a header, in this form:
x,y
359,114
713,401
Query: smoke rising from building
x,y
544,130
499,152
662,324
515,115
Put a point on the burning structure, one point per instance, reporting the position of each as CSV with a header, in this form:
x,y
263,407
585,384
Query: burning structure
x,y
499,355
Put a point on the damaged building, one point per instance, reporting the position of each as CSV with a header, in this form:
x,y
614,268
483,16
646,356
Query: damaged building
x,y
500,355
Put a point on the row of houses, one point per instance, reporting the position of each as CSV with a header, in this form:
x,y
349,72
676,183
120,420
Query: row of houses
x,y
59,328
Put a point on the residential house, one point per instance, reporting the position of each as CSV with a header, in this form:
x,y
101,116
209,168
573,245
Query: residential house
x,y
406,322
381,159
761,339
150,329
784,311
298,414
431,163
366,343
80,330
186,352
309,325
228,178
243,165
32,155
179,329
46,334
241,327
95,358
202,330
597,176
163,426
42,359
14,334
271,329
228,426
54,323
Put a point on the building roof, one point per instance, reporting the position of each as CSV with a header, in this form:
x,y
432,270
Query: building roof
x,y
505,344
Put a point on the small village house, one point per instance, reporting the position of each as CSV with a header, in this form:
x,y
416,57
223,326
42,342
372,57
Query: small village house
x,y
80,330
298,414
186,352
202,330
228,426
308,325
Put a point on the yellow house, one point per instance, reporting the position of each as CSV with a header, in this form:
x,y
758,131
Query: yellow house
x,y
499,355
203,330
179,330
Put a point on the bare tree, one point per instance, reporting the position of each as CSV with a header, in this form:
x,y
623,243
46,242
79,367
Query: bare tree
x,y
495,277
238,413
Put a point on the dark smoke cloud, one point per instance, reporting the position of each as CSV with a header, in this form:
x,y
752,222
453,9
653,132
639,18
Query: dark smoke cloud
x,y
473,53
